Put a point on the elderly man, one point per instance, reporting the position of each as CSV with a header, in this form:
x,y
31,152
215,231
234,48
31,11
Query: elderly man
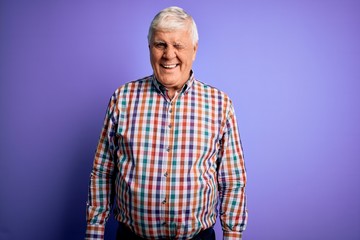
x,y
169,152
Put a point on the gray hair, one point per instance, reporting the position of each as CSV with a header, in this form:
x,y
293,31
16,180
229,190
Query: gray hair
x,y
173,18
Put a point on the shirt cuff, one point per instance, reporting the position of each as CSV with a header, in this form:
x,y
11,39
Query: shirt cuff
x,y
95,232
232,235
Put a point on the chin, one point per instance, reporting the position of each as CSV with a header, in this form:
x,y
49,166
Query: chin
x,y
168,82
168,79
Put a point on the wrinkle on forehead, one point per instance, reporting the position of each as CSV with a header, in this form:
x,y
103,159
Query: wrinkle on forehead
x,y
179,37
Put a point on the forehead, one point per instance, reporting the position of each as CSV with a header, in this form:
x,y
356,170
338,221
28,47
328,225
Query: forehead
x,y
172,35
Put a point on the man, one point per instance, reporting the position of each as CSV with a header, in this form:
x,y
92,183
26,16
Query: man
x,y
169,151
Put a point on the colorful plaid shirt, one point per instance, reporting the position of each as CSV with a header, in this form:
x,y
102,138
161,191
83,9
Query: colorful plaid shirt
x,y
169,163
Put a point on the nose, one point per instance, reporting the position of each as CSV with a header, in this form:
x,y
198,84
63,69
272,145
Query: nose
x,y
169,52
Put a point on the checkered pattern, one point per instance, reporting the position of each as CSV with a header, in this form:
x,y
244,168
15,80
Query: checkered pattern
x,y
169,162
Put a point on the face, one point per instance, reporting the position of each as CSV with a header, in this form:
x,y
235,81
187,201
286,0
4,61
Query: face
x,y
172,54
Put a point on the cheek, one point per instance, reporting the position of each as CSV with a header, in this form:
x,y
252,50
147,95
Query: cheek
x,y
155,56
190,58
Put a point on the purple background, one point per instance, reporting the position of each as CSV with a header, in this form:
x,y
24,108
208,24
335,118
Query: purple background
x,y
292,69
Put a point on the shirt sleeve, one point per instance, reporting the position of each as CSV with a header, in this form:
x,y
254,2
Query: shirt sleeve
x,y
232,181
100,195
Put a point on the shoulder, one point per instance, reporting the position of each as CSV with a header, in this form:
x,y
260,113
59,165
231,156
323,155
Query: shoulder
x,y
213,92
133,86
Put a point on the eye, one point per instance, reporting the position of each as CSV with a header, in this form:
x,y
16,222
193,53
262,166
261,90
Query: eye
x,y
160,45
179,46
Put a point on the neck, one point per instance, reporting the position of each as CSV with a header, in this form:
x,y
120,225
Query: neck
x,y
171,93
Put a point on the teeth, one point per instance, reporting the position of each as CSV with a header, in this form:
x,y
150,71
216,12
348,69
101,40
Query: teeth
x,y
169,66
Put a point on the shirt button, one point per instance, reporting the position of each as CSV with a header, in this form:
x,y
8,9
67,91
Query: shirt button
x,y
164,201
169,125
165,174
168,149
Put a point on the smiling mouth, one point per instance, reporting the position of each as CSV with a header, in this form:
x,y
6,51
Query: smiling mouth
x,y
169,66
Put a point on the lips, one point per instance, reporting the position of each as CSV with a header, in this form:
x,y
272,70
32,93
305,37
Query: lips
x,y
169,66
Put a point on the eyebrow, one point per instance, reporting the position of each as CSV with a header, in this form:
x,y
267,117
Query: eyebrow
x,y
161,41
158,41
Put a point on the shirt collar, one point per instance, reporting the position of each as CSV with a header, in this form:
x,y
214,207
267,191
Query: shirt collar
x,y
188,84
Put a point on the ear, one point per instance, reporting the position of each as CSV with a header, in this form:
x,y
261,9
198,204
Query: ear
x,y
195,51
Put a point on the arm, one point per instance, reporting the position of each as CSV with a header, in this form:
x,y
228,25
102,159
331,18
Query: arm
x,y
232,181
101,180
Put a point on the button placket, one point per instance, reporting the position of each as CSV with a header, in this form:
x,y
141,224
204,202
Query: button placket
x,y
169,124
169,128
166,161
